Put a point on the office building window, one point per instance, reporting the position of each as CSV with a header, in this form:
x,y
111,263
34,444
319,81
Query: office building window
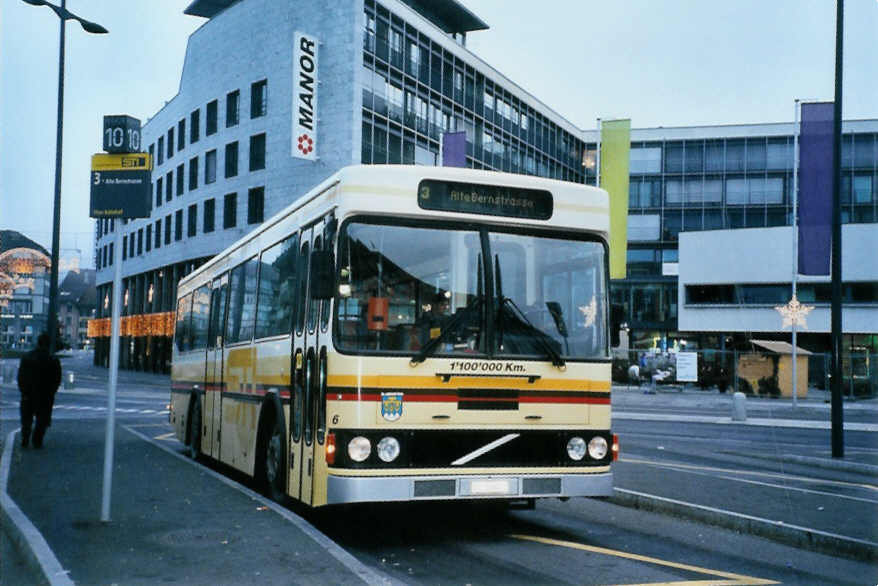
x,y
180,182
181,134
140,242
193,220
170,142
158,191
169,186
110,254
152,151
255,205
193,173
194,126
209,215
259,98
158,233
131,245
232,159
257,152
178,225
210,167
230,210
168,229
148,240
125,246
161,150
210,127
233,107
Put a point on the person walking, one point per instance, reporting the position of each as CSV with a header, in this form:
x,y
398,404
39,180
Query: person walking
x,y
39,375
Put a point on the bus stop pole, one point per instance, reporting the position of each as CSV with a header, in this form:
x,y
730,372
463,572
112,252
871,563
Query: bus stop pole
x,y
114,374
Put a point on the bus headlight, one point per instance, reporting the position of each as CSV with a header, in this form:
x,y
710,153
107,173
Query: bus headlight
x,y
597,447
576,448
359,448
388,449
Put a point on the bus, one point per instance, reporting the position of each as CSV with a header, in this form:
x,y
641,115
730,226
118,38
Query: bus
x,y
406,333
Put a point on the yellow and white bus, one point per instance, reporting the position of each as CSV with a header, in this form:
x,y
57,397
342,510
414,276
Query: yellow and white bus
x,y
404,333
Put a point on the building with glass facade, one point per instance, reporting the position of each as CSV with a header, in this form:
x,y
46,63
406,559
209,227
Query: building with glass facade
x,y
709,178
389,78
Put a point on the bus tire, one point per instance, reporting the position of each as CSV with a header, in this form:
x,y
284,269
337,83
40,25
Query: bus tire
x,y
271,469
193,433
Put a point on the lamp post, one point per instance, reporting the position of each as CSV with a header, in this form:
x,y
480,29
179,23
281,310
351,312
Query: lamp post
x,y
89,27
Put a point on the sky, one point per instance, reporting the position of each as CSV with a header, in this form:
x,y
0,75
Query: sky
x,y
657,62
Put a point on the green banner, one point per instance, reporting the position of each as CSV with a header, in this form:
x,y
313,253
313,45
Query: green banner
x,y
615,150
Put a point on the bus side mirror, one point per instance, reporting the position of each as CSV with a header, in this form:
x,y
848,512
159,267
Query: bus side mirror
x,y
617,316
322,274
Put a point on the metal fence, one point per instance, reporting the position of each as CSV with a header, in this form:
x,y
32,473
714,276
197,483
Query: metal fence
x,y
750,371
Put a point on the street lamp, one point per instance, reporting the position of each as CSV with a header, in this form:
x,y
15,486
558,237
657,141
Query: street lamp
x,y
94,28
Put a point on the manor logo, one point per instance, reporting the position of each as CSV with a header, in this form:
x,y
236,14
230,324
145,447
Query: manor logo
x,y
304,110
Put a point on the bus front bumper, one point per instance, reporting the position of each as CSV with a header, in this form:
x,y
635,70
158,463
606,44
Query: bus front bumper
x,y
347,489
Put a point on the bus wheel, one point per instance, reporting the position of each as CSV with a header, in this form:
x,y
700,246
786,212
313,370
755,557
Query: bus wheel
x,y
195,430
272,473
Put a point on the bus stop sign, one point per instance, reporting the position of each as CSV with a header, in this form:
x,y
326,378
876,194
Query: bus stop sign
x,y
120,185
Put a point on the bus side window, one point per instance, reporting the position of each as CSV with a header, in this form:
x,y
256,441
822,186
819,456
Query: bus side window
x,y
277,285
200,306
181,330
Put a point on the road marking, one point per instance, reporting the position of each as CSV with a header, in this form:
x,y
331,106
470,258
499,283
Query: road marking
x,y
691,467
805,490
733,579
165,436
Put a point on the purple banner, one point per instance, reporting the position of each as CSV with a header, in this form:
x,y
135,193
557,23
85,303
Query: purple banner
x,y
815,188
454,149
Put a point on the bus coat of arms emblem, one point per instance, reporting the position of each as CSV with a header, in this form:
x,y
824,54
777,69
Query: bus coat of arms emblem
x,y
391,406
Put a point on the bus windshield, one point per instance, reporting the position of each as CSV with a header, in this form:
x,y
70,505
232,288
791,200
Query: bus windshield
x,y
435,289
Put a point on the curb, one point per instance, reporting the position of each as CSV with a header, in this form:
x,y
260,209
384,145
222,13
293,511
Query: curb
x,y
795,535
23,534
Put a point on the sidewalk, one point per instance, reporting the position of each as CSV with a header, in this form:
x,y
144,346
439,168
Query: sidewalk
x,y
170,520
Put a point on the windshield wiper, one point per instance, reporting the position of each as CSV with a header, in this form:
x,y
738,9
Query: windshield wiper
x,y
533,332
430,347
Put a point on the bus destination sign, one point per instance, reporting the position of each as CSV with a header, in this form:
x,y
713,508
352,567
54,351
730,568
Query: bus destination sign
x,y
120,185
491,200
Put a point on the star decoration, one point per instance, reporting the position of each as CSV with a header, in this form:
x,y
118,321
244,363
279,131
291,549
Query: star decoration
x,y
589,311
794,313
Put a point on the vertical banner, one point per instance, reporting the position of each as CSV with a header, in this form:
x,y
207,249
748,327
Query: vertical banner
x,y
454,149
304,111
815,188
615,150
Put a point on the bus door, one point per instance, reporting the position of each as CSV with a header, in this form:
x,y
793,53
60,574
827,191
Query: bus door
x,y
308,427
210,442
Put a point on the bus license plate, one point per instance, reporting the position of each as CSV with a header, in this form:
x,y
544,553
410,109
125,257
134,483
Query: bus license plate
x,y
492,486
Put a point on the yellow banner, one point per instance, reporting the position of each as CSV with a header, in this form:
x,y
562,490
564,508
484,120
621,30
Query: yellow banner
x,y
121,162
615,150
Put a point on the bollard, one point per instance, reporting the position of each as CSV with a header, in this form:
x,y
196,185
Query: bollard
x,y
739,407
69,383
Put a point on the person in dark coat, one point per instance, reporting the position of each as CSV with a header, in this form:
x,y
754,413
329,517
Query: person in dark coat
x,y
39,376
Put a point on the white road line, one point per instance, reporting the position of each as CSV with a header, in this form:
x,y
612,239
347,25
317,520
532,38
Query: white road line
x,y
757,421
704,469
